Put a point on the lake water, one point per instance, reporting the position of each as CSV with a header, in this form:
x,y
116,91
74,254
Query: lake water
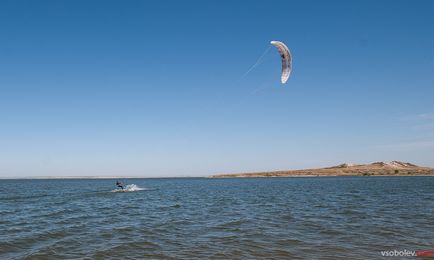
x,y
188,218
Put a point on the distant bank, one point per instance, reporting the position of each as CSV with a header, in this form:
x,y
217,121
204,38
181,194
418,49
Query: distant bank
x,y
93,177
393,168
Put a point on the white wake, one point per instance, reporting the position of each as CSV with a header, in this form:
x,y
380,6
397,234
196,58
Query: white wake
x,y
129,187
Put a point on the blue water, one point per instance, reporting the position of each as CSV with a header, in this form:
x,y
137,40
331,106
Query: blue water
x,y
188,218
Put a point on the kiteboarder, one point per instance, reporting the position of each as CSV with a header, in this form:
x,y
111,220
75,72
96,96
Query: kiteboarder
x,y
120,185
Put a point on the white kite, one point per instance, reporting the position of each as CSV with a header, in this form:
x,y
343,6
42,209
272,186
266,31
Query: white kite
x,y
286,60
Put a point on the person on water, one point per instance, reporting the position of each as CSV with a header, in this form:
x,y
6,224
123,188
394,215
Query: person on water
x,y
120,185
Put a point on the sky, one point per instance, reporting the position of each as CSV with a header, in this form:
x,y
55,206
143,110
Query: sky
x,y
158,88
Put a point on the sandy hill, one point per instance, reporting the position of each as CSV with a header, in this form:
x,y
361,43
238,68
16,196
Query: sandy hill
x,y
393,168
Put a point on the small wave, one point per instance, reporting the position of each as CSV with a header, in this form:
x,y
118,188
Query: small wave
x,y
130,187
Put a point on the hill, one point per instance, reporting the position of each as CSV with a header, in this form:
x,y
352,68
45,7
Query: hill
x,y
393,168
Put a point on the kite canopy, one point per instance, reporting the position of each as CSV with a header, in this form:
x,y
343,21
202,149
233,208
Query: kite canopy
x,y
286,59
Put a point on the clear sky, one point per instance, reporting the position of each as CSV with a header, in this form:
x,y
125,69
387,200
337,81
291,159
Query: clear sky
x,y
156,88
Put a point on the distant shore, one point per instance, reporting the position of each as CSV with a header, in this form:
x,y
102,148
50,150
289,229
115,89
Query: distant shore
x,y
222,176
394,168
90,177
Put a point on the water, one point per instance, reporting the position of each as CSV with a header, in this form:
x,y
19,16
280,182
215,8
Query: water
x,y
312,218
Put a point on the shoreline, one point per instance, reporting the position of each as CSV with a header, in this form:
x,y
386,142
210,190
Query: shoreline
x,y
216,177
320,176
393,168
92,177
383,169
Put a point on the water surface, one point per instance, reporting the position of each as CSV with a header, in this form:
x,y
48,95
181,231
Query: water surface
x,y
188,218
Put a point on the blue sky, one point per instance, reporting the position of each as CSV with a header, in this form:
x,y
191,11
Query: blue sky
x,y
156,88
